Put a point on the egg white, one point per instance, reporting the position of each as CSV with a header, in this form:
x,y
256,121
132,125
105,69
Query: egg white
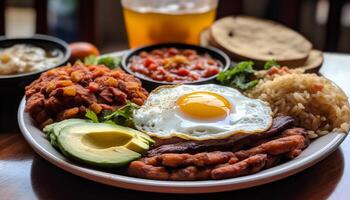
x,y
160,116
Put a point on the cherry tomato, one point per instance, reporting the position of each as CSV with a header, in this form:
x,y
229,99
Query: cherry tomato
x,y
183,72
148,62
211,71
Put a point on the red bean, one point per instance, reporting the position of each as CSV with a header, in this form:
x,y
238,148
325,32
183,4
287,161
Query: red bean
x,y
142,70
159,77
143,54
194,76
192,57
199,66
152,66
162,70
157,52
133,68
169,78
211,61
211,71
189,52
173,51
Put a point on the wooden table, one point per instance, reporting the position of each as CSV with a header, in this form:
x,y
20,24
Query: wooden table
x,y
25,175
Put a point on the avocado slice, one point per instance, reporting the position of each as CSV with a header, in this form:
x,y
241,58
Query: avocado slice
x,y
146,138
49,128
101,144
137,145
142,136
54,131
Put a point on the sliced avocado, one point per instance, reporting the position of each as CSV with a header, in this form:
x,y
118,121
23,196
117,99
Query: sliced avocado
x,y
60,125
57,127
141,135
100,144
143,139
146,138
49,128
137,145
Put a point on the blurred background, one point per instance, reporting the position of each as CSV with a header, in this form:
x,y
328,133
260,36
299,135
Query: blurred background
x,y
326,23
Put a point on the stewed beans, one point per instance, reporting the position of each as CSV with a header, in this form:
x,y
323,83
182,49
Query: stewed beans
x,y
66,92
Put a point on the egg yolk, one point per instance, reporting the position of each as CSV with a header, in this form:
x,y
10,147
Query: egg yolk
x,y
204,105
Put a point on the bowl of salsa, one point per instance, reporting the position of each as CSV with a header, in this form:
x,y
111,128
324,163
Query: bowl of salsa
x,y
175,63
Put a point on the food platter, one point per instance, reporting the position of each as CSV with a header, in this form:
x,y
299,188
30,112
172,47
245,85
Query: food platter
x,y
317,150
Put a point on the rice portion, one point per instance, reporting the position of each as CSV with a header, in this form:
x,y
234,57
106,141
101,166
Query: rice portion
x,y
315,102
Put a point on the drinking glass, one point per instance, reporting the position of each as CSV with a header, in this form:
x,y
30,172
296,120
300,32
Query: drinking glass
x,y
160,21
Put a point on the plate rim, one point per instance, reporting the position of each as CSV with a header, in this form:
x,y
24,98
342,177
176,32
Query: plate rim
x,y
208,186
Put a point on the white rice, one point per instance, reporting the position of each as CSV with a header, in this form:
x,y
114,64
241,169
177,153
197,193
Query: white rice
x,y
315,102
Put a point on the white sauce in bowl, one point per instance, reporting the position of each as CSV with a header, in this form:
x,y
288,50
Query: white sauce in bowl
x,y
22,58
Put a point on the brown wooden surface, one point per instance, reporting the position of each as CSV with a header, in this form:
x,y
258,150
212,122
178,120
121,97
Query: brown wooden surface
x,y
25,175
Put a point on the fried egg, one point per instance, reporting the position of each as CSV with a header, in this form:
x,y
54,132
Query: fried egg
x,y
201,112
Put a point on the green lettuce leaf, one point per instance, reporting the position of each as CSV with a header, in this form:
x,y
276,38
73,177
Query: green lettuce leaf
x,y
123,116
108,61
240,76
271,63
91,115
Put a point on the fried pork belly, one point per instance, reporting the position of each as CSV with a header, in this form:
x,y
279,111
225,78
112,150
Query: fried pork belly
x,y
275,147
247,166
190,173
219,165
199,159
141,169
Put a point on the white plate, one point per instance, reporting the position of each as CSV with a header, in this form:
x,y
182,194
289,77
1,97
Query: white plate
x,y
318,150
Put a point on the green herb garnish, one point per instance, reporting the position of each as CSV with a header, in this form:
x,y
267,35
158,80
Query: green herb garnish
x,y
240,76
271,63
90,60
123,116
108,61
91,115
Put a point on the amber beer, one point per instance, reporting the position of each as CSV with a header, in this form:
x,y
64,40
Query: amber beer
x,y
159,21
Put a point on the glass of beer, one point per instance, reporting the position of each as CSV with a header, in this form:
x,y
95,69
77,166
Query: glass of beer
x,y
160,21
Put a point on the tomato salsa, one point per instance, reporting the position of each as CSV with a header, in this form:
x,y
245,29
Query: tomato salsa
x,y
174,65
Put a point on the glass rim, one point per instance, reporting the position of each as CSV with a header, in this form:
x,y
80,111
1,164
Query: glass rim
x,y
213,4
